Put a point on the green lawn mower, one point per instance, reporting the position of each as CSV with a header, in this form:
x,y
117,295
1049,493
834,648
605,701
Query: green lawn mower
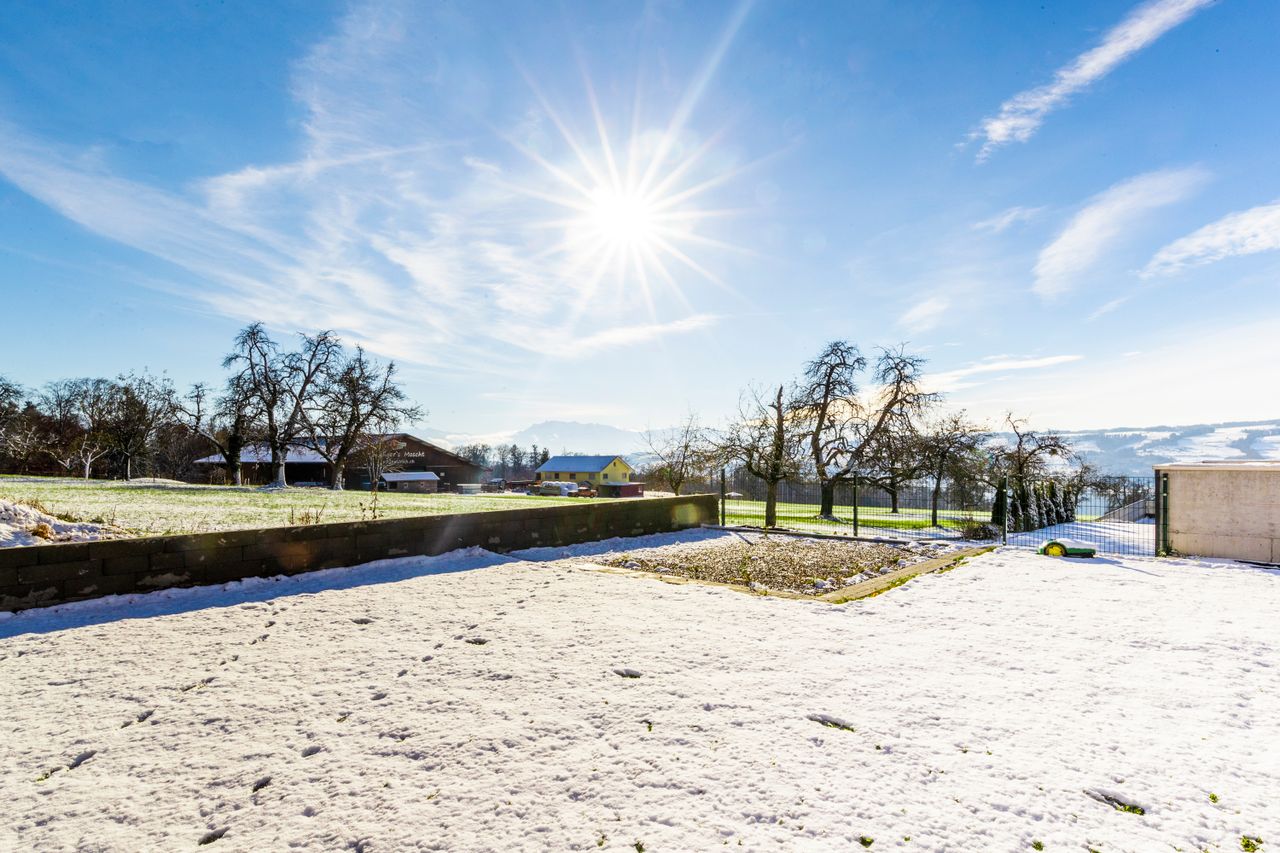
x,y
1068,548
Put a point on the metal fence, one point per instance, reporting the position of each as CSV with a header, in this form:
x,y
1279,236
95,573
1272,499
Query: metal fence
x,y
1114,513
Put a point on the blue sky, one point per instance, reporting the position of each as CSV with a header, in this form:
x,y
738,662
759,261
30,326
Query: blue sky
x,y
617,212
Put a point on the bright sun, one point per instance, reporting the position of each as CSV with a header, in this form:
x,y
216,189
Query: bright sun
x,y
622,219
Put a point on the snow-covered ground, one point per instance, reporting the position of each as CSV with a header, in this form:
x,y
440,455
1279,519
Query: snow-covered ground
x,y
22,525
478,702
1118,537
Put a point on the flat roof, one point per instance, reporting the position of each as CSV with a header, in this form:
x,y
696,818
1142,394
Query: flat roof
x,y
1223,465
404,476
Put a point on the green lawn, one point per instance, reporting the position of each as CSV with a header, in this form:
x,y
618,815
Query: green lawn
x,y
805,517
164,509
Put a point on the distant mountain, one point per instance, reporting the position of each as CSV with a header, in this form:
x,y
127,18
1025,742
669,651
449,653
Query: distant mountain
x,y
1133,450
574,437
1118,450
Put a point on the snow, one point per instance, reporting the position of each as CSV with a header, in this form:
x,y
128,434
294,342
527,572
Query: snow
x,y
1126,537
481,702
17,521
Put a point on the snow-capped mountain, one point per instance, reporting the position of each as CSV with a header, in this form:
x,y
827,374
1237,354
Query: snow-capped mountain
x,y
1117,450
1133,450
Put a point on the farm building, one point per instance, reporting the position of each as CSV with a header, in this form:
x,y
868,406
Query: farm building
x,y
595,470
399,452
410,481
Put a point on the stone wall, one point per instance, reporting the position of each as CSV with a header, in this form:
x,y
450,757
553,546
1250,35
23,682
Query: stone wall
x,y
48,574
1222,510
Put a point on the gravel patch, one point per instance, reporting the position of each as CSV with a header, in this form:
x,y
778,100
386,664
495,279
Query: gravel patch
x,y
770,562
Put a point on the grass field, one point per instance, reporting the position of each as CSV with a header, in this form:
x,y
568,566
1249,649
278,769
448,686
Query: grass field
x,y
158,509
910,521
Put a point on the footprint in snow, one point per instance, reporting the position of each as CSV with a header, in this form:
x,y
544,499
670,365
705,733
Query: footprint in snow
x,y
210,837
261,783
141,717
830,722
261,639
426,658
311,750
627,673
477,641
379,696
402,673
362,620
82,758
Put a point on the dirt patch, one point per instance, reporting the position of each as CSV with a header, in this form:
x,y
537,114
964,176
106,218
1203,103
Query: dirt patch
x,y
778,563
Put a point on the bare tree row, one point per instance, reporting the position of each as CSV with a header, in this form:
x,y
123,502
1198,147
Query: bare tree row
x,y
320,395
852,416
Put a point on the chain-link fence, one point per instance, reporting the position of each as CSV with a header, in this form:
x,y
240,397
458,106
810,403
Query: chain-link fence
x,y
1114,513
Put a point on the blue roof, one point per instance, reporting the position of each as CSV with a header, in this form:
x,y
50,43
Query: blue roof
x,y
576,464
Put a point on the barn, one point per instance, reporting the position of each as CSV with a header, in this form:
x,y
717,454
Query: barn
x,y
388,453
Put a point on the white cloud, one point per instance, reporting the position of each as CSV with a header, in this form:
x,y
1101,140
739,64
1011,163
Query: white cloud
x,y
1245,232
1020,116
1222,374
399,224
953,380
1007,219
1103,221
620,335
925,315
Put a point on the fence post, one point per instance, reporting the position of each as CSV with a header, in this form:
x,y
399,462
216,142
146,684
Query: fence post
x,y
855,504
1004,527
1162,511
723,494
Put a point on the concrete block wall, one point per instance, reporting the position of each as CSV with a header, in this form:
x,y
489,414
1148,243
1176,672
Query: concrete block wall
x,y
1223,510
40,575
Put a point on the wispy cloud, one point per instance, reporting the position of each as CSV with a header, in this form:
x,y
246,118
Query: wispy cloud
x,y
954,380
1005,220
925,314
404,223
1245,232
1021,116
642,333
1103,221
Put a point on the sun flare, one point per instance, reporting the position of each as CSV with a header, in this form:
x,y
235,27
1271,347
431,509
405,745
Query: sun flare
x,y
623,219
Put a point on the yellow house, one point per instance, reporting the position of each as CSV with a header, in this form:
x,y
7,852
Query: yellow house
x,y
585,469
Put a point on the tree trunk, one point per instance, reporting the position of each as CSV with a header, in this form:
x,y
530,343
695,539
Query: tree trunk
x,y
88,465
337,477
128,467
828,508
278,457
937,491
771,505
893,499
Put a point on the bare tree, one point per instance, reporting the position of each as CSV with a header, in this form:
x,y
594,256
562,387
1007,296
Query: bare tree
x,y
682,452
10,408
379,453
280,385
352,394
224,421
1032,453
950,445
843,424
93,403
894,459
767,439
139,405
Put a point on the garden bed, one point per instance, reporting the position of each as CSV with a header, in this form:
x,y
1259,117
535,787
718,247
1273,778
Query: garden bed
x,y
776,562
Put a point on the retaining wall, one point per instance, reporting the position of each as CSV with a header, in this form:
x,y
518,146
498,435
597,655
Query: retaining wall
x,y
40,575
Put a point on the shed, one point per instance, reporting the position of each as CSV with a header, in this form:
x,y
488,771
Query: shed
x,y
620,490
1219,509
411,481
